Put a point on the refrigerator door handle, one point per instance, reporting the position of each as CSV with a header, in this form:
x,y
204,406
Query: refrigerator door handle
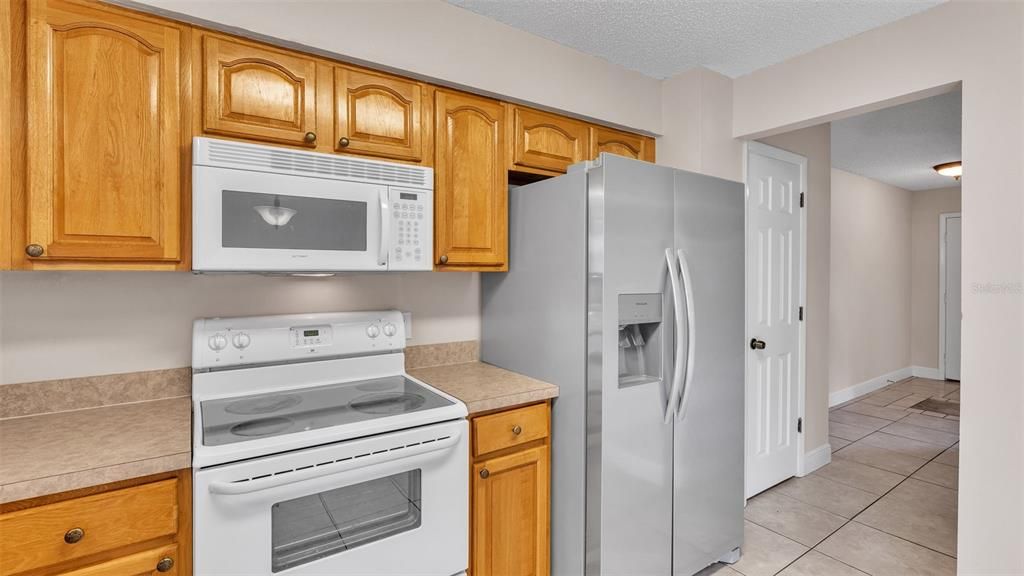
x,y
677,306
691,334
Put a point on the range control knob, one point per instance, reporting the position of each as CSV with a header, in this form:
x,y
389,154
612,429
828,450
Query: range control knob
x,y
389,329
373,330
241,340
218,342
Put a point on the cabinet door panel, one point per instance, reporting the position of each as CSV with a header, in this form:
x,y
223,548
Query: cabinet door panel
x,y
140,564
105,118
379,115
511,514
547,142
258,93
471,183
621,143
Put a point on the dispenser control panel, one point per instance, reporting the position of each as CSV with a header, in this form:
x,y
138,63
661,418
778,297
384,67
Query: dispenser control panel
x,y
640,308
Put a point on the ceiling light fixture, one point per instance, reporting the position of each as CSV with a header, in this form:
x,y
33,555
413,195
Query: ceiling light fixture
x,y
953,169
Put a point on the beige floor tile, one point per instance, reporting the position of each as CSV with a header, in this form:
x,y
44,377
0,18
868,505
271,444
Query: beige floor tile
x,y
904,445
876,411
954,395
881,458
933,414
929,435
933,423
765,552
826,494
917,511
792,518
957,418
885,397
938,473
717,569
846,417
881,554
908,401
817,564
836,442
951,457
914,410
847,431
862,476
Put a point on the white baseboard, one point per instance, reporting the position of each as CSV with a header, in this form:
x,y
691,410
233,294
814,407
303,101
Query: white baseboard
x,y
816,459
933,373
868,386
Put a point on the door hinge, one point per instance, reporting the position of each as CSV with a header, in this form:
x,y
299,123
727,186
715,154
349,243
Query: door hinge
x,y
801,199
800,425
801,314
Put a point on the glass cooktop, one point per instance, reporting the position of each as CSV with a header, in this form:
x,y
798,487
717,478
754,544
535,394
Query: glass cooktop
x,y
230,420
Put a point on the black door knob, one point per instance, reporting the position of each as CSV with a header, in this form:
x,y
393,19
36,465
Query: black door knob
x,y
756,344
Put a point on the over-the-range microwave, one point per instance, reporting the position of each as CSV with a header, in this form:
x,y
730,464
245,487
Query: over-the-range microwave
x,y
269,209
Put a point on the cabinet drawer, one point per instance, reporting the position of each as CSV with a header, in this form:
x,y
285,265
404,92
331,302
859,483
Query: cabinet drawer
x,y
73,529
510,428
147,563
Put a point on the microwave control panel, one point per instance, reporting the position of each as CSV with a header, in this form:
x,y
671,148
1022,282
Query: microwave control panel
x,y
412,230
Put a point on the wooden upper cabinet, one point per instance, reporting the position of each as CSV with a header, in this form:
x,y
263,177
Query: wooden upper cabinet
x,y
105,117
622,143
381,115
546,142
470,184
257,92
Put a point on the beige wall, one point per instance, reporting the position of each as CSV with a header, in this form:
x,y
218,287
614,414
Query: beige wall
x,y
924,272
869,311
65,324
980,44
434,40
815,144
697,125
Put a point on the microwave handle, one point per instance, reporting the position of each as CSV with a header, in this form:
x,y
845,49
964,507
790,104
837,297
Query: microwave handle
x,y
385,229
250,486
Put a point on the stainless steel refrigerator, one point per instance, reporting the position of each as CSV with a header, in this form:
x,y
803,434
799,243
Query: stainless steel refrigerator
x,y
625,289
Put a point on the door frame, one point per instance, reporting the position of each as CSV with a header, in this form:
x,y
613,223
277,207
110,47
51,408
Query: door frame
x,y
943,220
777,153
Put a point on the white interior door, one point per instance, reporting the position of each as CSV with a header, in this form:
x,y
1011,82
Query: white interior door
x,y
774,262
951,281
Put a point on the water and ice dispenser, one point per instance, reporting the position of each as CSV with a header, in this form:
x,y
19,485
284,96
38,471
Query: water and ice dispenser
x,y
640,339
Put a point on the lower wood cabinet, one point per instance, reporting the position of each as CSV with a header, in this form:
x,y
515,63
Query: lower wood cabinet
x,y
510,501
124,529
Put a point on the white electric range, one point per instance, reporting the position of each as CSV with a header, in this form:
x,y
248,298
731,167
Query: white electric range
x,y
314,453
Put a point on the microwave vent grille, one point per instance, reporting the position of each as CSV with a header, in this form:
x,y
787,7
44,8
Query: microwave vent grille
x,y
317,165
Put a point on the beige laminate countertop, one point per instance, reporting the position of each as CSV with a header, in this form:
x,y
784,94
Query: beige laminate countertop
x,y
50,453
483,387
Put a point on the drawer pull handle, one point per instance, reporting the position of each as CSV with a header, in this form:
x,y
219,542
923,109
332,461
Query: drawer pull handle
x,y
444,259
309,138
34,250
165,564
343,142
485,473
74,535
517,430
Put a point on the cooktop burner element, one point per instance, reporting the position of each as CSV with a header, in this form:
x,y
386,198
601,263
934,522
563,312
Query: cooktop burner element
x,y
387,403
262,427
263,404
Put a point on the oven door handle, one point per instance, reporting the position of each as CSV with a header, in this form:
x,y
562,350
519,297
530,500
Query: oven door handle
x,y
336,467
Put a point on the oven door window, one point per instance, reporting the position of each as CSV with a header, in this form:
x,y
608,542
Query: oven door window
x,y
328,523
281,222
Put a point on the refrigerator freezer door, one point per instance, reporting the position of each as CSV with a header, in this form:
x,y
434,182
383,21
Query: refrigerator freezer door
x,y
708,444
629,446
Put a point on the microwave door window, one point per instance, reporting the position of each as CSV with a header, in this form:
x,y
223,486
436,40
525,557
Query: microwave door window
x,y
282,222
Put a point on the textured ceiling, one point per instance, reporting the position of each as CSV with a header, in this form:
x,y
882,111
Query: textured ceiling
x,y
662,38
899,145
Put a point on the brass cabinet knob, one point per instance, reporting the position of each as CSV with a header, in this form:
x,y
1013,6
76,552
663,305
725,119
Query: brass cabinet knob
x,y
756,344
165,564
309,138
444,259
74,535
343,143
517,430
34,250
485,473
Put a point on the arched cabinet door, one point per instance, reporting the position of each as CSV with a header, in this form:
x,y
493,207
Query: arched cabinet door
x,y
381,115
546,143
105,121
621,143
471,183
258,92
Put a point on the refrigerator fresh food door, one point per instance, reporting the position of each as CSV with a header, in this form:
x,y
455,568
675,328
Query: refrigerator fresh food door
x,y
708,443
